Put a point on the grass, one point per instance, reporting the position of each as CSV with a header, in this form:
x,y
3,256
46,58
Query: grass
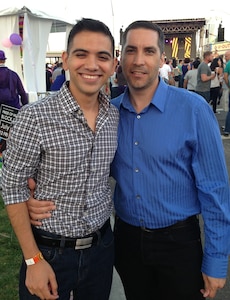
x,y
10,258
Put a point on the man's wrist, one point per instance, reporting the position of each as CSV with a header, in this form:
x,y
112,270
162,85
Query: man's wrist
x,y
34,260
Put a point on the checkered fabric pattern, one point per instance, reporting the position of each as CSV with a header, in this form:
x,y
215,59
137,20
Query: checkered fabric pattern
x,y
52,142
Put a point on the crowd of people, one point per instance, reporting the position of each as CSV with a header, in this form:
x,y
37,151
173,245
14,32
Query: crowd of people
x,y
203,76
207,77
168,165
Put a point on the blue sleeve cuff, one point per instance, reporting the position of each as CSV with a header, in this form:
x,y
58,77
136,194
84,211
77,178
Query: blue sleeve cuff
x,y
215,267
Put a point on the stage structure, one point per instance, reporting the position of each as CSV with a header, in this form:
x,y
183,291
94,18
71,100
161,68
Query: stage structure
x,y
183,37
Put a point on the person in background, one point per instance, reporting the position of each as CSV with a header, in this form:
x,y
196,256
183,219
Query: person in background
x,y
114,86
57,71
204,76
190,78
180,74
221,79
121,81
174,62
48,77
172,74
165,71
67,142
58,82
12,92
186,66
227,82
216,66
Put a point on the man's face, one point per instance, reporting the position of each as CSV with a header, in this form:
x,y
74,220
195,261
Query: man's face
x,y
141,58
227,56
210,58
90,63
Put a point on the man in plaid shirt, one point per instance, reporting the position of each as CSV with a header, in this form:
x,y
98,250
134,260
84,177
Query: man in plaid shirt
x,y
66,142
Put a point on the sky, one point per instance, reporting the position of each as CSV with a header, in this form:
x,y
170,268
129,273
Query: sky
x,y
120,13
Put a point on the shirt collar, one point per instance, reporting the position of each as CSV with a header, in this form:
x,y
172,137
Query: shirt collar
x,y
70,105
158,100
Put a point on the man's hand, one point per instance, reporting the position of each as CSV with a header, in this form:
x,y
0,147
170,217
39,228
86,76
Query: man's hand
x,y
38,210
212,285
41,281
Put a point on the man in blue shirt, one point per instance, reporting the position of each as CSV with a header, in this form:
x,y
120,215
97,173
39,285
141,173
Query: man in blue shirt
x,y
169,167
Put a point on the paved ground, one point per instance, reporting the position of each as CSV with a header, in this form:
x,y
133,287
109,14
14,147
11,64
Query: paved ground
x,y
117,292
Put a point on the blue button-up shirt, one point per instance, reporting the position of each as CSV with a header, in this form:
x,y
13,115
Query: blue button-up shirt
x,y
170,165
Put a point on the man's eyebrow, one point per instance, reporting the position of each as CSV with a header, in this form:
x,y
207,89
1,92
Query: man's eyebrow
x,y
130,46
86,51
79,49
145,47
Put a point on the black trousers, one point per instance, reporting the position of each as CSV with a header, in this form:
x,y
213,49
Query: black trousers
x,y
159,265
214,94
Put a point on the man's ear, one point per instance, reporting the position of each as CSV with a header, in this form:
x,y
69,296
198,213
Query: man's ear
x,y
115,62
64,60
162,59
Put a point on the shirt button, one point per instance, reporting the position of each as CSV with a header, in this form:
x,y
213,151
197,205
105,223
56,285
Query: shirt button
x,y
138,197
136,143
136,170
138,116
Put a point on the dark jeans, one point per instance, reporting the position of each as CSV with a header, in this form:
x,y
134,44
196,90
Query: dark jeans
x,y
214,94
88,272
160,265
205,95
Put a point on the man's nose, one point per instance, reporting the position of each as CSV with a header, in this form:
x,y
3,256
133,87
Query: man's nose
x,y
139,58
92,62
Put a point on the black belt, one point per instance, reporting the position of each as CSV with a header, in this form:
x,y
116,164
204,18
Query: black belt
x,y
66,242
177,225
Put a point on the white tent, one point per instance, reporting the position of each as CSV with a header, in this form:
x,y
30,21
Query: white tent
x,y
36,28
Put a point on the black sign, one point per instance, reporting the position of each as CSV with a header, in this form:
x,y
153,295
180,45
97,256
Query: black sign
x,y
7,115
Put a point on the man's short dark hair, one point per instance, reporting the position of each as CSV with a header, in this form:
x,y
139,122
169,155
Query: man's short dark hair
x,y
90,25
146,25
196,64
207,53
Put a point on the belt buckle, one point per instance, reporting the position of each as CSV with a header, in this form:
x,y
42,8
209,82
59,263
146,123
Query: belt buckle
x,y
84,243
146,229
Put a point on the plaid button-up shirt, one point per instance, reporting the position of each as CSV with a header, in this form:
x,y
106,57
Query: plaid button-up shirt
x,y
52,142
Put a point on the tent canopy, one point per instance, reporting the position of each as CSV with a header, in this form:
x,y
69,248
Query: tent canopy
x,y
34,27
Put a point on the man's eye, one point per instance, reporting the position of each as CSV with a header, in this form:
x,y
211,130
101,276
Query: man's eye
x,y
80,55
150,51
129,51
103,57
